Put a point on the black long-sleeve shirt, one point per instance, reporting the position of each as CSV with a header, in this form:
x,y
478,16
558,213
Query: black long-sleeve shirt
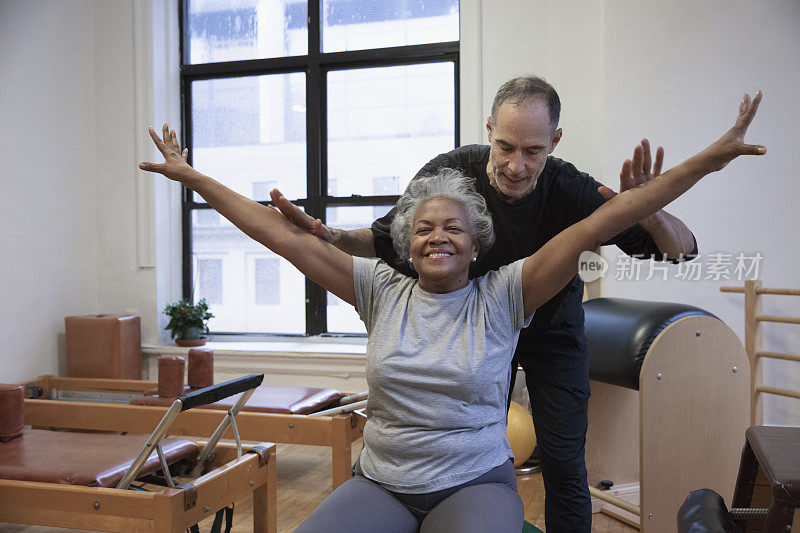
x,y
554,345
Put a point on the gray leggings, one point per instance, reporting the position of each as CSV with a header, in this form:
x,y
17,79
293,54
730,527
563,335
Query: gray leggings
x,y
489,502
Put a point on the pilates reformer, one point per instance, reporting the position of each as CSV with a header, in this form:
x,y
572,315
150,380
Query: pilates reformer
x,y
766,496
316,417
107,482
668,407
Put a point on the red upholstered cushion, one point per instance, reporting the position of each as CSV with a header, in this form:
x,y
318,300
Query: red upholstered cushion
x,y
12,412
82,458
286,400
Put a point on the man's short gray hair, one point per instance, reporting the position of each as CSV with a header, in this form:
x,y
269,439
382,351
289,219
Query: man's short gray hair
x,y
449,183
523,88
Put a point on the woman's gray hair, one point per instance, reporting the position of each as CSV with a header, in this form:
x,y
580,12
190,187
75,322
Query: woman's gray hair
x,y
452,184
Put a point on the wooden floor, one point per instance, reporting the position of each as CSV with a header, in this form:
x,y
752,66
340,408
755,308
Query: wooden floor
x,y
304,481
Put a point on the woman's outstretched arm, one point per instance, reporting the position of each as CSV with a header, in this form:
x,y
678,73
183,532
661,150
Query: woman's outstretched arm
x,y
320,261
556,263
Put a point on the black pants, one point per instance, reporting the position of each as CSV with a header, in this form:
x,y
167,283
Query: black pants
x,y
560,417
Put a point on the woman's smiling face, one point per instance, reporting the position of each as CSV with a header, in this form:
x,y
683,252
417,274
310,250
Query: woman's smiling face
x,y
442,245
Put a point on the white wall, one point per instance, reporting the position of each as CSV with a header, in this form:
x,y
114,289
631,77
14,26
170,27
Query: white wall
x,y
672,71
138,232
82,229
83,232
48,205
698,61
123,285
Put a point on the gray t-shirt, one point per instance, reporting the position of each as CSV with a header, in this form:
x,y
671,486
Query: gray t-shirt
x,y
438,371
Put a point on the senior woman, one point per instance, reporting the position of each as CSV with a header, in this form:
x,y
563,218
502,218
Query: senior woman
x,y
435,454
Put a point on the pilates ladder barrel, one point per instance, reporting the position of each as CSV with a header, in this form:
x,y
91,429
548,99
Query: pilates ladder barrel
x,y
680,430
753,319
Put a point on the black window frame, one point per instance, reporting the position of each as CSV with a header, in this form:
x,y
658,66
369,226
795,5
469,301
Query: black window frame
x,y
315,65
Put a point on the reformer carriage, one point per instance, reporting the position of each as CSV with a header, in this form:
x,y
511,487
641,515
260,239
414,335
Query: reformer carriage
x,y
107,482
292,416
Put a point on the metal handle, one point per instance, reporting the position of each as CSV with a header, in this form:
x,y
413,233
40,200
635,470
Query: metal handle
x,y
194,399
341,409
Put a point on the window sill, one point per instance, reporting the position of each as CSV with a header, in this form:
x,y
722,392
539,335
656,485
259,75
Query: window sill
x,y
301,347
313,362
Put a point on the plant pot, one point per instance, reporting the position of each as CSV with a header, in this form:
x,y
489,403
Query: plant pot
x,y
190,343
191,337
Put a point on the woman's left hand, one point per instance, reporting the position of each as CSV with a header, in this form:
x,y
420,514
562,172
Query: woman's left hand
x,y
175,165
731,145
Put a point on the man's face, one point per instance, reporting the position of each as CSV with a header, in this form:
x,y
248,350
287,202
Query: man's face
x,y
521,138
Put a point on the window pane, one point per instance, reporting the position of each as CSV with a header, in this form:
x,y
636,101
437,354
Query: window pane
x,y
225,30
250,133
267,279
261,189
342,317
363,24
207,217
209,278
385,123
256,291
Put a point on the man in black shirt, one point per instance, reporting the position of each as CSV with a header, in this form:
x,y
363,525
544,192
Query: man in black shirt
x,y
533,196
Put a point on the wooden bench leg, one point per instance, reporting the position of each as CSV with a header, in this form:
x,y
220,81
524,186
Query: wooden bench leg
x,y
745,482
779,518
341,453
265,500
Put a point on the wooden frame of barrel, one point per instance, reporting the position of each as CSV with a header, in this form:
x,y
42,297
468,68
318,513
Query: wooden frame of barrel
x,y
337,431
680,431
166,510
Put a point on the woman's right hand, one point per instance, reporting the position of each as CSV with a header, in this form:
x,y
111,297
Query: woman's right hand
x,y
175,165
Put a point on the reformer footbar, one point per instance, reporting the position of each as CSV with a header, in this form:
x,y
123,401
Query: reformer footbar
x,y
244,385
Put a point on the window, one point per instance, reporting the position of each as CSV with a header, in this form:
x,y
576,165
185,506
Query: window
x,y
209,277
337,103
261,189
207,217
267,281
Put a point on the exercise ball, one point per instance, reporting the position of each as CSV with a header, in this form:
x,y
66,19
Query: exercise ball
x,y
520,433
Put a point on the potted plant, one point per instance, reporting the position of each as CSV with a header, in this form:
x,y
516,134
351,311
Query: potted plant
x,y
188,323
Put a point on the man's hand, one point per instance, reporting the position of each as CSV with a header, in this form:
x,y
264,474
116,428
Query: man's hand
x,y
358,242
300,218
175,165
636,171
